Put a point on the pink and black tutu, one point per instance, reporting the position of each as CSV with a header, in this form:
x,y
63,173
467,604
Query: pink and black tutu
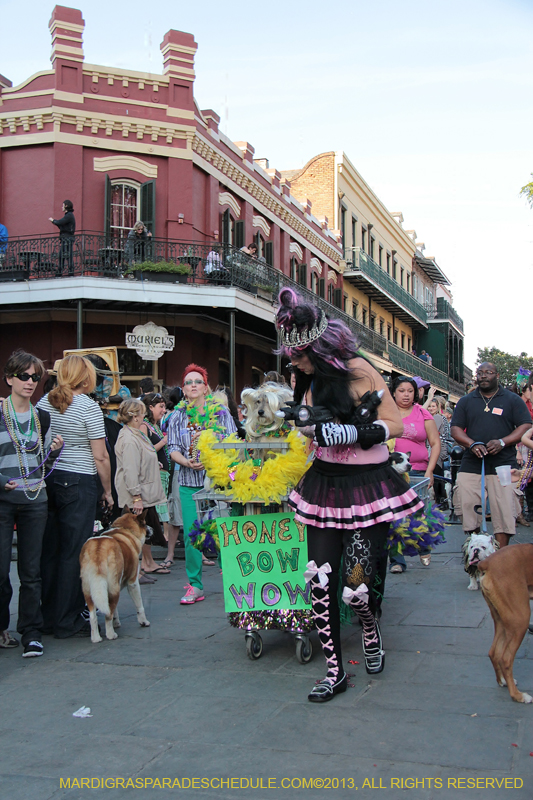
x,y
344,496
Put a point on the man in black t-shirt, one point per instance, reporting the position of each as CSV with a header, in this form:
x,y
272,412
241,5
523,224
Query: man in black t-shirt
x,y
489,422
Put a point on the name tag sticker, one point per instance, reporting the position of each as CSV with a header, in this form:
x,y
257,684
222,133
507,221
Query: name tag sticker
x,y
498,411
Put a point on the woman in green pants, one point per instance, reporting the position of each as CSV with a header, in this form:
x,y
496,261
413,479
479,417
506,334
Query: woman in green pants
x,y
197,412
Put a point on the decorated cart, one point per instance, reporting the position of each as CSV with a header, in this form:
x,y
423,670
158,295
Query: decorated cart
x,y
244,516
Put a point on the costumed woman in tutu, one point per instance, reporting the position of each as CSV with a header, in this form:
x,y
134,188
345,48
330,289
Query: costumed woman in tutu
x,y
350,494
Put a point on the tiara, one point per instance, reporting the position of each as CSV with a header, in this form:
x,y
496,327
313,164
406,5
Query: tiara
x,y
292,338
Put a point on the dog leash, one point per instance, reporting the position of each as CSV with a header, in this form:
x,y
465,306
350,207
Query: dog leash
x,y
483,499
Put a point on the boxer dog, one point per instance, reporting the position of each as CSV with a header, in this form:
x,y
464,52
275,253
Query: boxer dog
x,y
109,562
507,586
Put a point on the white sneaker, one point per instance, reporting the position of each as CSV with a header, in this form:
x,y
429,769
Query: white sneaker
x,y
192,595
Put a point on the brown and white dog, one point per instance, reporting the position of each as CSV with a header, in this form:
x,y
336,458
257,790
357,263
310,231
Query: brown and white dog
x,y
108,563
477,547
507,586
261,422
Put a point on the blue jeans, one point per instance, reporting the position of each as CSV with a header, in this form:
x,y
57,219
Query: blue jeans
x,y
399,558
30,519
72,499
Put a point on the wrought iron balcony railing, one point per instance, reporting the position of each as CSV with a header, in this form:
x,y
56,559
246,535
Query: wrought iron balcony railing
x,y
406,362
387,291
445,311
93,254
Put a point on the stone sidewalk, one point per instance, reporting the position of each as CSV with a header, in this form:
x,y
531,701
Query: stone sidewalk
x,y
181,701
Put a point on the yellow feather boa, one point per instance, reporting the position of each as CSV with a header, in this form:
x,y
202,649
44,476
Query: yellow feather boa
x,y
277,476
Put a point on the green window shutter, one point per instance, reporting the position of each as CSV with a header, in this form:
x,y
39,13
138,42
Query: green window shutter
x,y
322,288
239,233
148,205
107,207
302,275
337,298
226,227
269,253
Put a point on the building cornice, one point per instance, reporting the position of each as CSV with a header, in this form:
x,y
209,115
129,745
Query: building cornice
x,y
245,184
10,121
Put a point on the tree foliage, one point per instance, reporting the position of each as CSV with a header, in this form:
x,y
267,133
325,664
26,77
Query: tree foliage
x,y
506,364
527,192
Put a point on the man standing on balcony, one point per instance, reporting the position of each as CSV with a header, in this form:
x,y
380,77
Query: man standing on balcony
x,y
489,423
67,228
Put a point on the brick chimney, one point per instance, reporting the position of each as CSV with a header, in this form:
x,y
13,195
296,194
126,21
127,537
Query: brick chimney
x,y
178,50
66,26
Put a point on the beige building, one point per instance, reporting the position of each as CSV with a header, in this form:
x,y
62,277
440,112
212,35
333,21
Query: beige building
x,y
387,287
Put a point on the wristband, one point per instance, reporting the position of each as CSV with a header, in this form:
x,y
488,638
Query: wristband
x,y
502,443
137,499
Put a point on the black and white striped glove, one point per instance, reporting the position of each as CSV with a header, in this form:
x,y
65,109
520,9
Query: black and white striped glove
x,y
329,434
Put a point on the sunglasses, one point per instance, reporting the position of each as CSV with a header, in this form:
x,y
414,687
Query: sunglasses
x,y
156,399
25,376
197,381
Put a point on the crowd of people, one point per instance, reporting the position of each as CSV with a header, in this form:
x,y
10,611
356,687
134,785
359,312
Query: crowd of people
x,y
61,468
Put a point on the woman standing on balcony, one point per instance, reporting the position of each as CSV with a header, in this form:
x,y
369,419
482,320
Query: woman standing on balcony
x,y
418,427
350,494
67,229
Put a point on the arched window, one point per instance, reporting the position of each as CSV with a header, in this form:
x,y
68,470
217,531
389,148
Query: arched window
x,y
124,208
126,202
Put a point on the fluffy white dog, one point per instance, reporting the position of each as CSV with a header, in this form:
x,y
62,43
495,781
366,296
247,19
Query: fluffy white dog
x,y
476,547
261,405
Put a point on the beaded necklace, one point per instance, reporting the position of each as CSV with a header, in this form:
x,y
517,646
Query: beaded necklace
x,y
21,443
198,421
154,427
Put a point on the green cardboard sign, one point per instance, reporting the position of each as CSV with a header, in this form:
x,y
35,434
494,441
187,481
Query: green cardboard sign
x,y
263,562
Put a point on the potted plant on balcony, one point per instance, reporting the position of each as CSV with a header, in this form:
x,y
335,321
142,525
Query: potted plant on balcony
x,y
265,292
164,271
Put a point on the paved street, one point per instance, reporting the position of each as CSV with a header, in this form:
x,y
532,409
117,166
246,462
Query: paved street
x,y
181,700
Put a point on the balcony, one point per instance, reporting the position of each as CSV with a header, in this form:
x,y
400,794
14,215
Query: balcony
x,y
46,261
371,279
444,312
209,265
411,365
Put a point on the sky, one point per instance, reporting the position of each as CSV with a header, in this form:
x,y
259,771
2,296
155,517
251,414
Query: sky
x,y
430,101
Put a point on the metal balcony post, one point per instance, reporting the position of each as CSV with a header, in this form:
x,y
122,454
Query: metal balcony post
x,y
79,325
232,351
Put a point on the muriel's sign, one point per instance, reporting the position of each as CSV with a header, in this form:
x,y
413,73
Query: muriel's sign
x,y
150,341
263,561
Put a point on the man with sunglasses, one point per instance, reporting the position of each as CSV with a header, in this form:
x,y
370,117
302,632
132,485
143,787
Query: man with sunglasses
x,y
25,441
489,423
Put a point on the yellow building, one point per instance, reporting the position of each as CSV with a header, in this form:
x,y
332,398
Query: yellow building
x,y
385,288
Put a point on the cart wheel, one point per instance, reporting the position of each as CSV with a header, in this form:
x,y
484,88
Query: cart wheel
x,y
254,645
304,650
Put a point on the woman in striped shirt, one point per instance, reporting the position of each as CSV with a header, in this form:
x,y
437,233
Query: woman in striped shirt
x,y
72,494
